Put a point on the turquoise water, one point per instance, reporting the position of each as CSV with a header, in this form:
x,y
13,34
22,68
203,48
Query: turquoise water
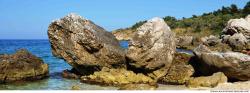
x,y
41,48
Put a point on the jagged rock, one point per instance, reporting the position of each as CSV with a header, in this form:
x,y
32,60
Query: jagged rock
x,y
138,87
207,81
211,40
180,71
238,42
152,48
235,65
237,26
116,77
84,45
22,66
183,41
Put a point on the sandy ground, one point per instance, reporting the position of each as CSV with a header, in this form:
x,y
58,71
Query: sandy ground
x,y
223,86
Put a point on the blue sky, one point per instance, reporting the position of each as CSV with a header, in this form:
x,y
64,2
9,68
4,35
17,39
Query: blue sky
x,y
29,19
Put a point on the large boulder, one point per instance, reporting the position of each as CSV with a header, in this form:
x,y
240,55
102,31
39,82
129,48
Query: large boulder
x,y
22,66
152,48
233,64
207,81
117,77
85,46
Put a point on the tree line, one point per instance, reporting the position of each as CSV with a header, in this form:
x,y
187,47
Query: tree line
x,y
213,21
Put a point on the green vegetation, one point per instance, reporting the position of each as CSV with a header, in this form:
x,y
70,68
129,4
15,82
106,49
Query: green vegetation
x,y
211,23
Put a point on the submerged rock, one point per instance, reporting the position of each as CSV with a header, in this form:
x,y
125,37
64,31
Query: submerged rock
x,y
138,87
180,71
235,65
84,45
117,77
207,81
22,66
152,48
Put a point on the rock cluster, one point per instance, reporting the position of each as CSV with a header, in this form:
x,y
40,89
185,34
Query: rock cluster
x,y
22,66
97,57
237,34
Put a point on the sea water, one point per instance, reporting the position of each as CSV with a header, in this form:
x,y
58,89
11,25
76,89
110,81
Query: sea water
x,y
41,48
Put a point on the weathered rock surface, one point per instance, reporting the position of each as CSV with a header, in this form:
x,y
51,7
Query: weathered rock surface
x,y
117,77
207,81
152,48
183,41
84,45
235,65
138,87
22,66
180,71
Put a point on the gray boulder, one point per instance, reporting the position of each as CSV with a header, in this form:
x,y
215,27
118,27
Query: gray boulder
x,y
152,47
85,46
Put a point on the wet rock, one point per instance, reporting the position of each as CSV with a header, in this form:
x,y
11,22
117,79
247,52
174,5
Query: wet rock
x,y
138,87
22,66
86,46
180,71
207,81
116,77
233,64
183,41
71,74
152,48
